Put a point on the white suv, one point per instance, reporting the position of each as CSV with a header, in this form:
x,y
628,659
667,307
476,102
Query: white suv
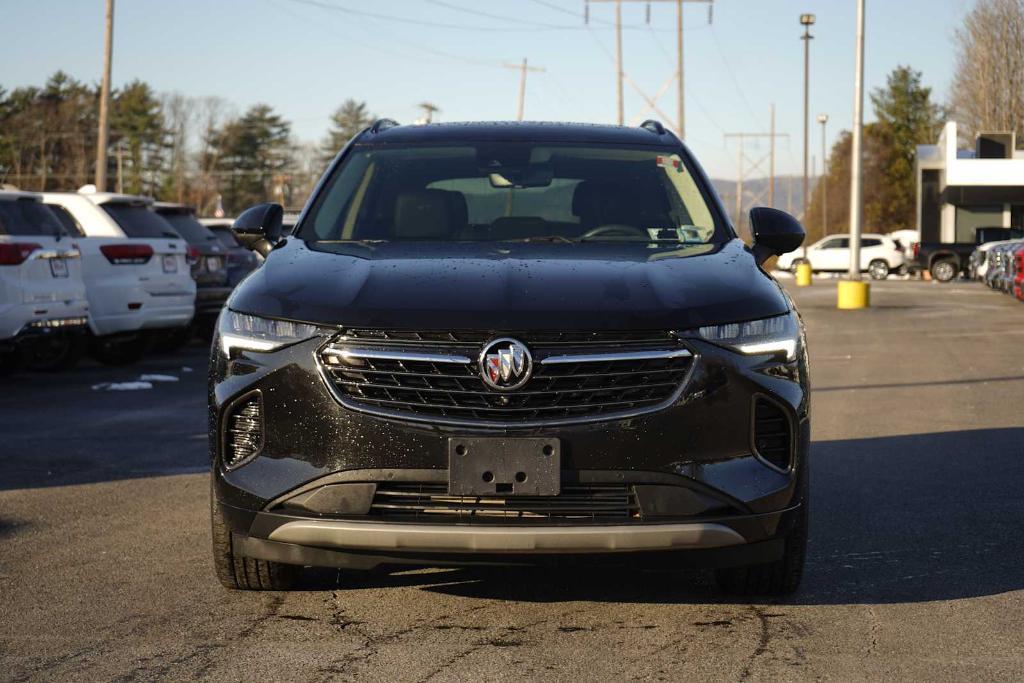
x,y
43,307
879,255
135,267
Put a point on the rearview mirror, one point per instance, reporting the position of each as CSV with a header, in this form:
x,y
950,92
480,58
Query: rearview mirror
x,y
259,227
775,233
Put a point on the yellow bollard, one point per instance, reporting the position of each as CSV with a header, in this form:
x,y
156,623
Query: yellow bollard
x,y
803,275
854,294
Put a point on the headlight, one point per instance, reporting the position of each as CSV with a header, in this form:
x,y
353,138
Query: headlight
x,y
777,335
252,333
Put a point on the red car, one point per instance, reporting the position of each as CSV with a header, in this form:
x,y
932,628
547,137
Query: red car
x,y
1018,272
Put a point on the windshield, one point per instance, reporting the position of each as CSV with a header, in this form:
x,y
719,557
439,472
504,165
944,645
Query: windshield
x,y
28,217
512,192
187,226
138,221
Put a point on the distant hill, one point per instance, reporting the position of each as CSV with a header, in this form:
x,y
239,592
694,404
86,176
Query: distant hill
x,y
788,193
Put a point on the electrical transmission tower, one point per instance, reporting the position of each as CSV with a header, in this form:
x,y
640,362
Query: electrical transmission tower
x,y
678,76
747,165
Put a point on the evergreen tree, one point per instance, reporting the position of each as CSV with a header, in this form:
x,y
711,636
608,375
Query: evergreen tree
x,y
137,126
253,157
907,118
350,118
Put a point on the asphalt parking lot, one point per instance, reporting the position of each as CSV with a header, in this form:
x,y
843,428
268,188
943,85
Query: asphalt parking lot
x,y
914,570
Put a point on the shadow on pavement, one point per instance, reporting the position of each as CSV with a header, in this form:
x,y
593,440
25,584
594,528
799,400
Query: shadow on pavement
x,y
894,519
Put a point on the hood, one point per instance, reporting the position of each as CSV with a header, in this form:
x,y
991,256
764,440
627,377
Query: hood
x,y
503,286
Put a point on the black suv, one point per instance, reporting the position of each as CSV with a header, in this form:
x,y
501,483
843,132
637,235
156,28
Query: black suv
x,y
511,343
206,255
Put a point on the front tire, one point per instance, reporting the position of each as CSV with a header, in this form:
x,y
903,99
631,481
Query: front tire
x,y
944,270
55,352
244,573
878,269
781,577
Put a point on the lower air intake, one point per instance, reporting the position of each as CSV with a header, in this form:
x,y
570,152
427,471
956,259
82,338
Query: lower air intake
x,y
243,433
773,436
580,503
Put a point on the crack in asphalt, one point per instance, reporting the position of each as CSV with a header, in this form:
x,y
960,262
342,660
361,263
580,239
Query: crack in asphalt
x,y
763,641
497,641
372,643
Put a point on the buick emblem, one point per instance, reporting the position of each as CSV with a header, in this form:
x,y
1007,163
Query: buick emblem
x,y
505,364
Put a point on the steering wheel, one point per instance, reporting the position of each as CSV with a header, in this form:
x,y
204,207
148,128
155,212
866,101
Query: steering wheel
x,y
614,230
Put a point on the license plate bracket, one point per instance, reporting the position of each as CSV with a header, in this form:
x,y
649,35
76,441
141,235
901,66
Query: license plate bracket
x,y
487,466
58,267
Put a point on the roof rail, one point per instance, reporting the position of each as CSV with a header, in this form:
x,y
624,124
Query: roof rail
x,y
382,124
653,126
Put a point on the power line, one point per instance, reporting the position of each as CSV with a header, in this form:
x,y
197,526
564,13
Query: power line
x,y
389,49
415,22
732,75
478,13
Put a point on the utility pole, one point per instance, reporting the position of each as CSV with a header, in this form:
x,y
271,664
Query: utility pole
x,y
428,111
823,119
856,208
679,75
771,162
104,126
523,68
680,81
744,168
739,185
619,107
806,20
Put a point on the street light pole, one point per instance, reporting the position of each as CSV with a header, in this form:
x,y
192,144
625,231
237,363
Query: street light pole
x,y
823,120
806,20
856,199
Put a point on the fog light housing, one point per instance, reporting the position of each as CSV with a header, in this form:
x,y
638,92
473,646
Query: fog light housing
x,y
243,431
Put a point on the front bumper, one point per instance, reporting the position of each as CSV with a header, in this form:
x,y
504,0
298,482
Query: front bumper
x,y
365,545
700,448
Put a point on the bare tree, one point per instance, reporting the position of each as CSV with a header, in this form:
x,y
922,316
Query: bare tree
x,y
988,87
212,113
179,115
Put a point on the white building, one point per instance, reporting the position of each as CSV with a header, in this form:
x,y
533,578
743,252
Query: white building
x,y
961,190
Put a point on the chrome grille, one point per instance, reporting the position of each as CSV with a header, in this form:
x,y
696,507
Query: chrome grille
x,y
599,502
576,376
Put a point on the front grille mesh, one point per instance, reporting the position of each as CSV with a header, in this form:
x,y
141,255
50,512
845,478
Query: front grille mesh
x,y
430,501
554,392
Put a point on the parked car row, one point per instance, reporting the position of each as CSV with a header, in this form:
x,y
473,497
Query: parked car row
x,y
946,261
1000,265
104,273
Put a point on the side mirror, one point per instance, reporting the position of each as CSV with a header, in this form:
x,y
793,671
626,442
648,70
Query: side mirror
x,y
259,227
775,233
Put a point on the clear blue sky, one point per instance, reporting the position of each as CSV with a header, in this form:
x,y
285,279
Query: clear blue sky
x,y
304,58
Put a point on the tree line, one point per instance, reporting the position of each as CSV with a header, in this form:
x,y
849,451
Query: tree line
x,y
195,150
986,94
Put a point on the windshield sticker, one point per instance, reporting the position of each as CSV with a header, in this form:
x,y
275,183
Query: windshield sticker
x,y
670,162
